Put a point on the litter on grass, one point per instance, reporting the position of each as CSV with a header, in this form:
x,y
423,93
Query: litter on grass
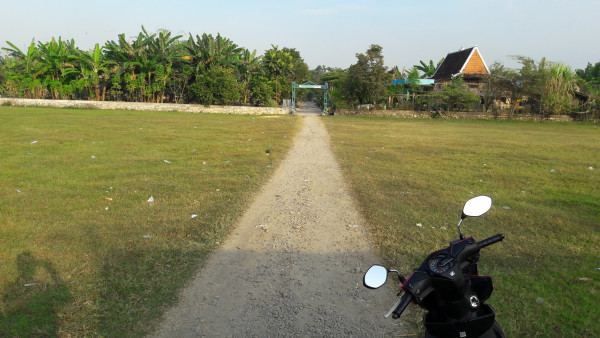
x,y
151,199
93,156
147,236
167,161
34,142
193,216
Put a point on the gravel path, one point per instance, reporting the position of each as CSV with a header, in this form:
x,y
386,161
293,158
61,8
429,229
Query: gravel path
x,y
294,264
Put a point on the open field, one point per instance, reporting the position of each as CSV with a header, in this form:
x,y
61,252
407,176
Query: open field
x,y
82,251
412,177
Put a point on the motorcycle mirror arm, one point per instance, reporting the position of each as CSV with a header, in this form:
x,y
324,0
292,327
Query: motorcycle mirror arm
x,y
400,277
460,234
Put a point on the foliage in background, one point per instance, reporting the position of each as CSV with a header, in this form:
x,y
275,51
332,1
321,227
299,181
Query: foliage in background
x,y
160,68
427,69
217,85
150,68
367,79
456,96
591,86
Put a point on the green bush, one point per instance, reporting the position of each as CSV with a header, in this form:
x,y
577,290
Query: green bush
x,y
216,86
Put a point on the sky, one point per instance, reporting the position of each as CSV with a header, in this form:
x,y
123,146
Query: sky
x,y
329,33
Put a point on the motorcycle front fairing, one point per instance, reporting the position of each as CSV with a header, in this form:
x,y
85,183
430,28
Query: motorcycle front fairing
x,y
446,285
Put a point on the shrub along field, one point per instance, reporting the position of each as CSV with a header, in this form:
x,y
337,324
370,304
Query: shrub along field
x,y
82,250
412,177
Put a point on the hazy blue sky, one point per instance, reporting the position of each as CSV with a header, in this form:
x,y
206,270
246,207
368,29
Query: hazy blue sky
x,y
330,32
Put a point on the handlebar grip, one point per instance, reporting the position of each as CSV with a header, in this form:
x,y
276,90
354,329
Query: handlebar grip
x,y
404,301
489,241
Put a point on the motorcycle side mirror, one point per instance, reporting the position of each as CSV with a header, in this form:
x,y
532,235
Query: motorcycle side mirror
x,y
375,277
477,206
474,207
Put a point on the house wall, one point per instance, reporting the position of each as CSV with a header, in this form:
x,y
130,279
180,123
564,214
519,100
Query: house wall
x,y
475,65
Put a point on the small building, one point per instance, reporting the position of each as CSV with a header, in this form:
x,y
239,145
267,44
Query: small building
x,y
467,63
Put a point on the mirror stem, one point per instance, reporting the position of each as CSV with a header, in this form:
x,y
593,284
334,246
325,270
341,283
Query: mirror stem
x,y
400,277
460,234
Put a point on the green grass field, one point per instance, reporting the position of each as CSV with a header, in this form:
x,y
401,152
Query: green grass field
x,y
82,251
545,182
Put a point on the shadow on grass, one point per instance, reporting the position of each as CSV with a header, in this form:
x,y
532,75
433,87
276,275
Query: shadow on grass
x,y
30,304
137,285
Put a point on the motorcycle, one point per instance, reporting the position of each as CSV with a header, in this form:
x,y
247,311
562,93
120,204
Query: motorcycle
x,y
447,285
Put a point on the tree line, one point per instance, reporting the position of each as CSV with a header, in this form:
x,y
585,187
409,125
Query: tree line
x,y
543,87
156,67
211,69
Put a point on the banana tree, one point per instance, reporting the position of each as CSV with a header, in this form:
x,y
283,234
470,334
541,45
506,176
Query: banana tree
x,y
167,51
250,66
95,70
56,66
25,69
428,69
207,52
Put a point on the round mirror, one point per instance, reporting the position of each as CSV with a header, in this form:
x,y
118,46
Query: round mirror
x,y
477,206
375,277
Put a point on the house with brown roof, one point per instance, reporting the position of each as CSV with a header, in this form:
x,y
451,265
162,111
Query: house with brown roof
x,y
467,63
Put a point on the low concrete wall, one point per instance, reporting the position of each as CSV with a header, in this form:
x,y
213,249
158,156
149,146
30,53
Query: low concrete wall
x,y
450,115
112,105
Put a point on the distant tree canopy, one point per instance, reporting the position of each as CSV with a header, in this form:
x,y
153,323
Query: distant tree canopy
x,y
156,67
209,69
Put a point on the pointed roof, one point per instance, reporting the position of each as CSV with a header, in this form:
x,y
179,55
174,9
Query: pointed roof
x,y
464,61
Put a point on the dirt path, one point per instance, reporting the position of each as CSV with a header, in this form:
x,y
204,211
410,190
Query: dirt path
x,y
294,265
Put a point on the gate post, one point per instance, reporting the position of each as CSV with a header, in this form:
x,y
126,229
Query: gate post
x,y
293,97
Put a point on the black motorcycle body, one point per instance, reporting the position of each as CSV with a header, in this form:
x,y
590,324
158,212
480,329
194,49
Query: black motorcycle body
x,y
447,285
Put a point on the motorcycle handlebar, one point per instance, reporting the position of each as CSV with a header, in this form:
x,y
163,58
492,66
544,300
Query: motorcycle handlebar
x,y
489,241
404,301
